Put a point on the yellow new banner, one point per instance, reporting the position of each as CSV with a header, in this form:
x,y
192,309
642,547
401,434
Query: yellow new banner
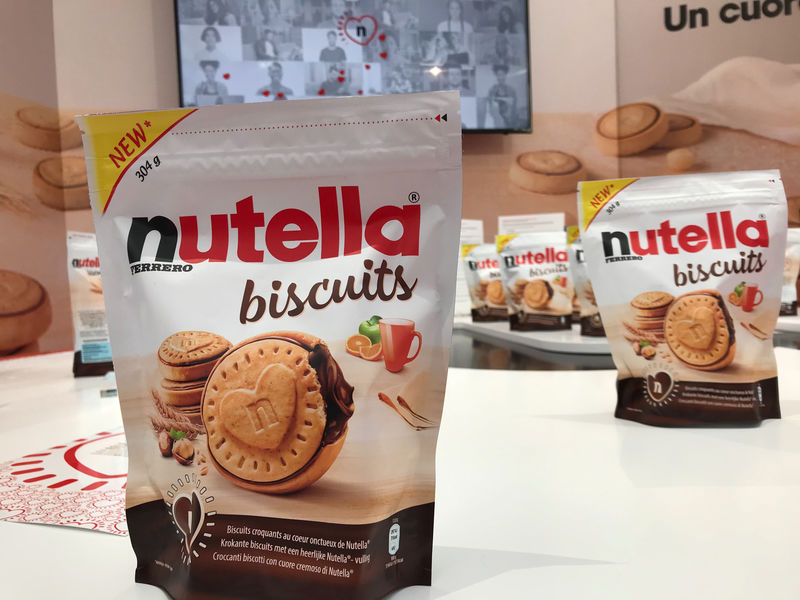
x,y
115,142
595,195
503,239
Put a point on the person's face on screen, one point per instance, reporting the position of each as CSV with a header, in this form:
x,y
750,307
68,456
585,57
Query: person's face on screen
x,y
338,7
454,77
210,39
331,39
272,10
501,76
333,74
210,72
275,73
454,9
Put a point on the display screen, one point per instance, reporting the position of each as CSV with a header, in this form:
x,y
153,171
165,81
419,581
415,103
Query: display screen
x,y
272,50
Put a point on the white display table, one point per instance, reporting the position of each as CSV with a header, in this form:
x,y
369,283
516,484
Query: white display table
x,y
568,341
542,494
788,324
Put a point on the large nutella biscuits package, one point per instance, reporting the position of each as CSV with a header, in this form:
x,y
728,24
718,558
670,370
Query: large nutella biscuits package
x,y
791,271
687,272
92,349
482,273
280,281
537,280
589,315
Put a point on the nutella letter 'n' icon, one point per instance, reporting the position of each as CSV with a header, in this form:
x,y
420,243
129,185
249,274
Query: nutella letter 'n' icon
x,y
397,335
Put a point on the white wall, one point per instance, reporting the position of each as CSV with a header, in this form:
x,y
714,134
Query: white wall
x,y
115,54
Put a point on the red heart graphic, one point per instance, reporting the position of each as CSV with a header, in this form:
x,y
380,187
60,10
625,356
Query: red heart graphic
x,y
321,92
361,30
265,94
341,79
384,54
280,94
226,75
341,72
360,92
382,37
368,67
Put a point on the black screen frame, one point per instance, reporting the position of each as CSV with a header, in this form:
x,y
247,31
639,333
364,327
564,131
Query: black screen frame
x,y
500,131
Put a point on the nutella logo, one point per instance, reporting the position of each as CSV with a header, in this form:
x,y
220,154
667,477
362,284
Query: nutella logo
x,y
486,263
548,255
290,235
86,263
719,232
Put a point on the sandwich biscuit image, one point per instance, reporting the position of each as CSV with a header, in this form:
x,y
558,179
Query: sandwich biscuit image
x,y
547,172
650,309
25,311
630,129
538,293
276,409
60,183
185,360
700,332
45,128
495,293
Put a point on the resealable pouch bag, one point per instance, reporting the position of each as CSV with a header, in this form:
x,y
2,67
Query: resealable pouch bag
x,y
791,271
279,281
92,349
687,273
537,279
589,316
482,274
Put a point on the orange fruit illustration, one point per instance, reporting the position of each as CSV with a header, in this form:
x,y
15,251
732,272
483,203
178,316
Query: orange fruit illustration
x,y
373,352
355,342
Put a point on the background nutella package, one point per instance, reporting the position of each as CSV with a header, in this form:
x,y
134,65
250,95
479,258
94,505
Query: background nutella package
x,y
687,272
92,349
537,280
791,271
589,315
482,274
280,281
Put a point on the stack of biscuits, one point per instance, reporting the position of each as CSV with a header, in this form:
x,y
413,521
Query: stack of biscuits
x,y
59,181
650,309
185,360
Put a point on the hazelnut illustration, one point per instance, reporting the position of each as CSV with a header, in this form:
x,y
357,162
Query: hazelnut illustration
x,y
183,451
165,443
648,352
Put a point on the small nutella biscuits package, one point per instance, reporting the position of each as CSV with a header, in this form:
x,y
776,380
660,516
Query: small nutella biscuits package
x,y
92,349
279,284
589,316
537,280
687,273
791,271
482,272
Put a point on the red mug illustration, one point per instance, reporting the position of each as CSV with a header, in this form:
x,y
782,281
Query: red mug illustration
x,y
397,336
751,297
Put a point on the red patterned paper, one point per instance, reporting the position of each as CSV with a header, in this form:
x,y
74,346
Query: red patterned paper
x,y
78,484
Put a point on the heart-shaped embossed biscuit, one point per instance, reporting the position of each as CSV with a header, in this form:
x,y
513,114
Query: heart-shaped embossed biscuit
x,y
189,341
659,385
698,329
187,511
261,417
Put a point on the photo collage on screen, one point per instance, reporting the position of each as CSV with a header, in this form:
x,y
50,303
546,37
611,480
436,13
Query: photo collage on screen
x,y
271,50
